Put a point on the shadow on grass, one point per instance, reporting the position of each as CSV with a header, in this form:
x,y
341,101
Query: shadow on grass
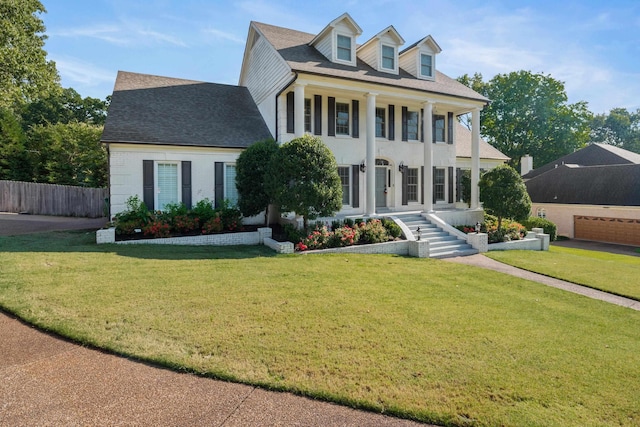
x,y
85,241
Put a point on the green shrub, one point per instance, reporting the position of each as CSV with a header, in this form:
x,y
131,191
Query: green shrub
x,y
548,226
203,210
230,215
293,233
174,209
393,229
343,236
157,228
213,225
510,230
184,223
136,215
373,232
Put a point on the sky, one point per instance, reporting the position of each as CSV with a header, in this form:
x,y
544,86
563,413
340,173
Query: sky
x,y
592,46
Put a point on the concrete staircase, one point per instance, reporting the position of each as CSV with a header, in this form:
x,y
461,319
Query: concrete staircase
x,y
441,243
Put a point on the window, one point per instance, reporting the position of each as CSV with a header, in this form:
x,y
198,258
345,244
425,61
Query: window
x,y
230,189
380,122
344,172
307,115
426,65
342,118
344,48
388,57
167,188
412,184
412,125
541,213
438,128
438,185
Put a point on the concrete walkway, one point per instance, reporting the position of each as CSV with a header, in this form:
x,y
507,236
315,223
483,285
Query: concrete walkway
x,y
482,261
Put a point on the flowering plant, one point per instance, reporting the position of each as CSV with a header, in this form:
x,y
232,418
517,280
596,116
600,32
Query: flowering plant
x,y
157,228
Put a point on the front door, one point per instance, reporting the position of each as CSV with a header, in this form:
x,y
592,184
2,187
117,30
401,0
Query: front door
x,y
381,187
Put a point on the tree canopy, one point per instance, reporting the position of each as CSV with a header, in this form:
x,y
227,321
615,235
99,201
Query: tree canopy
x,y
529,114
620,128
504,194
304,179
25,72
252,169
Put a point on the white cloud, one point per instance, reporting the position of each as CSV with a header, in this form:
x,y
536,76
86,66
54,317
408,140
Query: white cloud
x,y
219,34
75,70
122,34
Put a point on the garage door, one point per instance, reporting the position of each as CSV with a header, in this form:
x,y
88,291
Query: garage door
x,y
603,229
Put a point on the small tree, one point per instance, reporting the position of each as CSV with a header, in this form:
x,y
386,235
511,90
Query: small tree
x,y
252,168
304,179
504,194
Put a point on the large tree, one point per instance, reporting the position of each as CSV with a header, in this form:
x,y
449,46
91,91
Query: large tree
x,y
504,194
252,169
64,106
620,128
25,72
304,179
529,114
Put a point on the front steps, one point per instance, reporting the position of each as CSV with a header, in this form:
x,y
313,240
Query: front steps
x,y
441,243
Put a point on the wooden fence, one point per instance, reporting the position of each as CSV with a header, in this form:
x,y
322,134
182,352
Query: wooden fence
x,y
52,199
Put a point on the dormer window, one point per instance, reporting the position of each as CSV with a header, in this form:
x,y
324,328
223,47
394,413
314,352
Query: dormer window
x,y
388,57
344,48
426,65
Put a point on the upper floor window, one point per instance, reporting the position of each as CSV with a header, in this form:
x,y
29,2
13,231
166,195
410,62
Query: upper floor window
x,y
342,118
388,57
344,48
438,128
426,65
412,125
307,115
380,122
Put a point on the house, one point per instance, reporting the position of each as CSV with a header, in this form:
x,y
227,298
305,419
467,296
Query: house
x,y
591,194
373,104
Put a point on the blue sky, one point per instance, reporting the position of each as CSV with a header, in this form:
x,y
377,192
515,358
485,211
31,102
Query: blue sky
x,y
592,46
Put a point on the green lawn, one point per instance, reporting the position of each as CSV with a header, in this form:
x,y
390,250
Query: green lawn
x,y
618,274
434,341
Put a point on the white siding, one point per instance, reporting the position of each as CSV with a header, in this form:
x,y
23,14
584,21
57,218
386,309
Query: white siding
x,y
325,46
266,71
409,62
369,54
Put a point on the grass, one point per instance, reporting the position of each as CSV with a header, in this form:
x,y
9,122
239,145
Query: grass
x,y
618,274
424,339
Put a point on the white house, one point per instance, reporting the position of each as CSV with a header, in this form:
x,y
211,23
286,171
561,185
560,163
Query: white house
x,y
374,104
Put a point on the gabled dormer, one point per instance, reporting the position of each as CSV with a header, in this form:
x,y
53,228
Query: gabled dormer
x,y
419,59
337,41
381,51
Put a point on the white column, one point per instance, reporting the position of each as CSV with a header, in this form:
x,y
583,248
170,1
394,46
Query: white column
x,y
475,158
371,154
427,126
298,109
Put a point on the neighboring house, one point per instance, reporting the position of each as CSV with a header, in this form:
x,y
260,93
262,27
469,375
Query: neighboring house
x,y
373,104
596,199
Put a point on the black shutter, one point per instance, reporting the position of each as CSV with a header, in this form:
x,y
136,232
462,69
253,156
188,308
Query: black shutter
x,y
421,124
422,184
147,183
317,114
433,128
186,184
450,173
355,118
290,113
458,185
433,184
392,122
405,128
405,187
450,128
355,186
331,116
219,184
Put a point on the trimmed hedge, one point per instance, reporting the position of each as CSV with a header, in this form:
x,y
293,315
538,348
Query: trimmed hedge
x,y
548,226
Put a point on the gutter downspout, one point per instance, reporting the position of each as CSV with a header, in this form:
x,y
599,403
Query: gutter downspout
x,y
295,77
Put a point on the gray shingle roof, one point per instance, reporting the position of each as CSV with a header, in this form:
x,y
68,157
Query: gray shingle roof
x,y
463,146
148,109
591,155
614,185
294,48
